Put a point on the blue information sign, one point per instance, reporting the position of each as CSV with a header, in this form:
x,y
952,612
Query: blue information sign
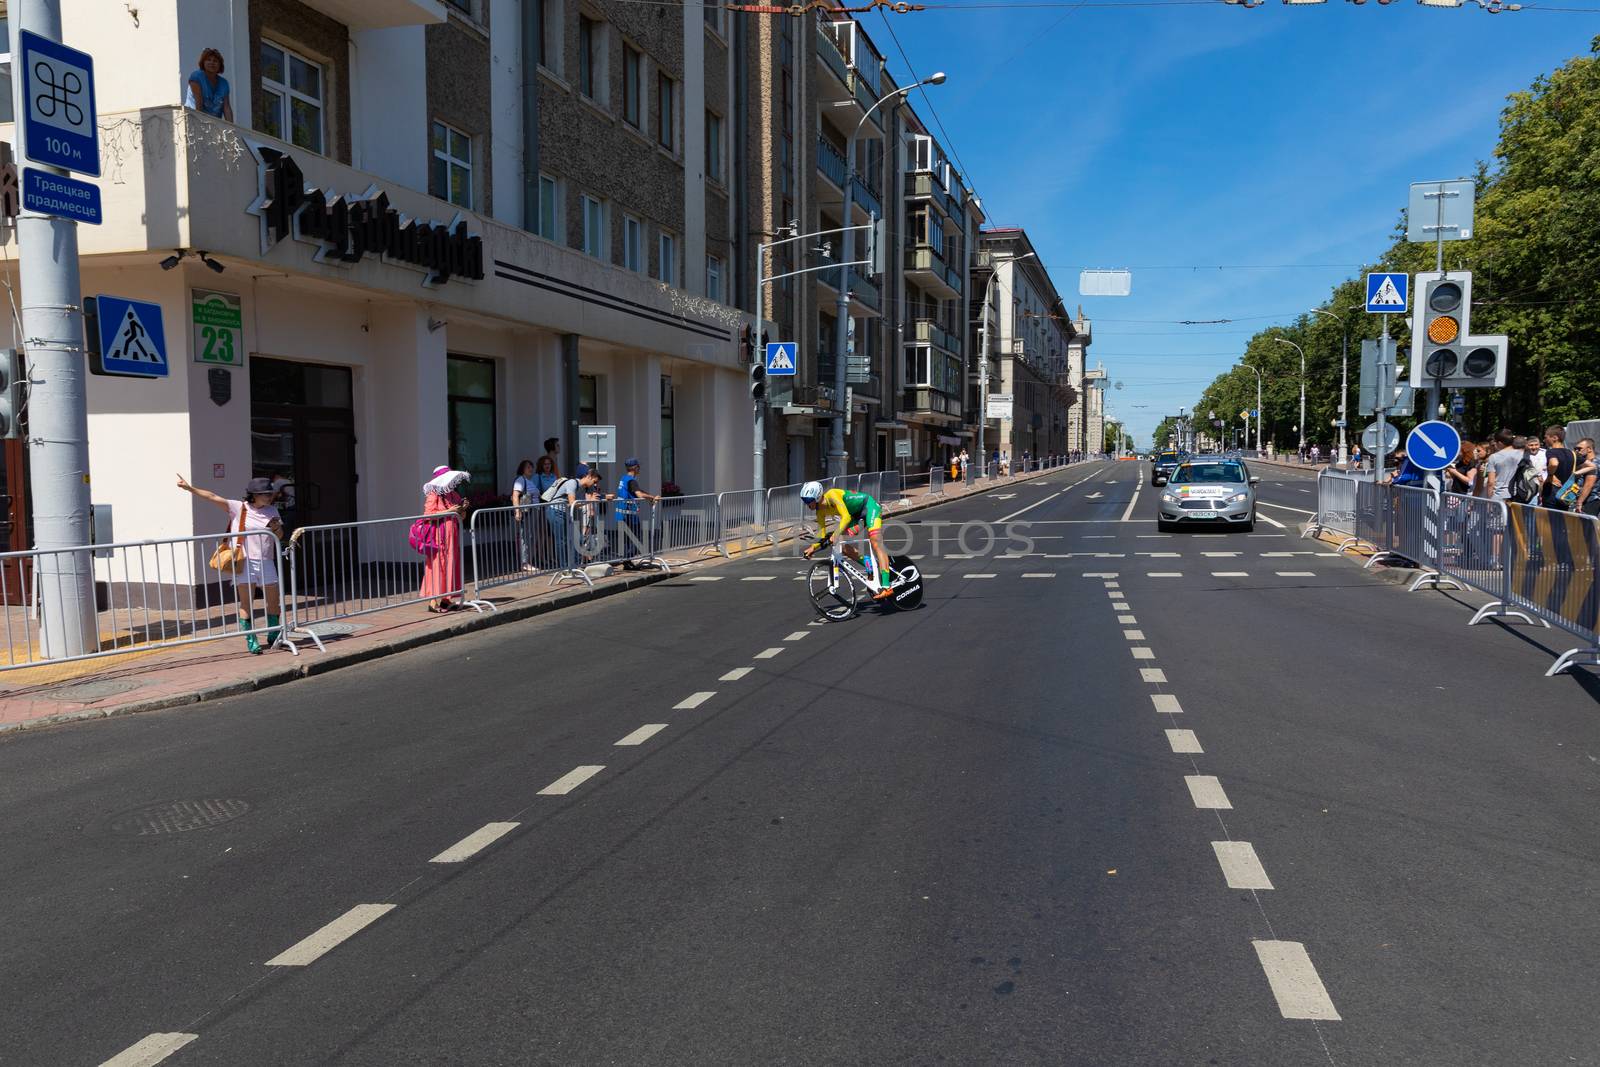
x,y
1433,446
1387,293
782,357
58,114
56,194
132,341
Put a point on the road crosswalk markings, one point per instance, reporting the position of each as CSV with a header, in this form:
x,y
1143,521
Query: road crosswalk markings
x,y
346,926
1133,635
1127,620
485,836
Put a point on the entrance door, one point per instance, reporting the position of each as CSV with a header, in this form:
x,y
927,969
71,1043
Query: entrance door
x,y
15,532
303,432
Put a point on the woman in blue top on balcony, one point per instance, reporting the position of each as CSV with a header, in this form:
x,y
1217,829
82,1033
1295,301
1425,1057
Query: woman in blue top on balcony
x,y
208,89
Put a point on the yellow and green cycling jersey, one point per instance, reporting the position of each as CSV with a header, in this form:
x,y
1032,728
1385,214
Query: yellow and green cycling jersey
x,y
849,509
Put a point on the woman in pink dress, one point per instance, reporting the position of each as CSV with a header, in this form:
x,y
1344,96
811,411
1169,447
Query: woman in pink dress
x,y
441,573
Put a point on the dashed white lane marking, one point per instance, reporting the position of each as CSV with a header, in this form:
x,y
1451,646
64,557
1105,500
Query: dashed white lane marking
x,y
1153,675
1240,867
1230,574
694,700
639,736
1270,521
977,576
1110,555
930,576
1133,635
1207,792
1099,574
798,635
706,578
1152,536
816,622
768,653
1164,574
1271,555
1127,620
481,839
1143,653
570,781
1113,585
1229,554
1299,490
324,940
1161,555
1297,574
1184,741
1038,574
735,674
1166,703
1295,984
150,1051
759,578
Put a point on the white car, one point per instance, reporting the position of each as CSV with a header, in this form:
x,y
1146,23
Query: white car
x,y
1212,492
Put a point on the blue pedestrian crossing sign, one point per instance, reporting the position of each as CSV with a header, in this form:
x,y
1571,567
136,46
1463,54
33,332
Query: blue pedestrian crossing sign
x,y
1433,446
782,357
1387,293
132,341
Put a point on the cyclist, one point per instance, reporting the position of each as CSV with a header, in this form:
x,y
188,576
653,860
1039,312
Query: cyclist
x,y
854,512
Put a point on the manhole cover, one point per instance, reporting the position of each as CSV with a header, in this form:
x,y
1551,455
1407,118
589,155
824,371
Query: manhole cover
x,y
176,816
330,629
89,692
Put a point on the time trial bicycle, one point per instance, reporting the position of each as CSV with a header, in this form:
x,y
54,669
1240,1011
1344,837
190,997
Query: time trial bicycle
x,y
840,583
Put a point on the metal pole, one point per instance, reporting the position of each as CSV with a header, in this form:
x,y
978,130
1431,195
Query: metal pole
x,y
1302,399
1385,397
837,460
758,482
983,366
1344,394
57,401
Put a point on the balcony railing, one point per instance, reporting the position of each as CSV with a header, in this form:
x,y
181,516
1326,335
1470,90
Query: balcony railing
x,y
866,196
832,49
928,399
930,332
953,278
830,162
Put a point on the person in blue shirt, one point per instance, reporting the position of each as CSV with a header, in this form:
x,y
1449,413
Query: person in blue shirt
x,y
208,90
1405,472
628,495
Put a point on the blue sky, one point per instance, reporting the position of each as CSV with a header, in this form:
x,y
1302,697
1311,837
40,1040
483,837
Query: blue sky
x,y
1160,137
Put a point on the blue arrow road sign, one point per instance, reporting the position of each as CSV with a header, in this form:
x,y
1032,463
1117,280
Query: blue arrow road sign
x,y
56,194
132,341
782,357
1433,446
1387,293
58,116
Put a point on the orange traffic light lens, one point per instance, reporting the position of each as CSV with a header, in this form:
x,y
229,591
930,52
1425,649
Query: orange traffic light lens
x,y
1443,330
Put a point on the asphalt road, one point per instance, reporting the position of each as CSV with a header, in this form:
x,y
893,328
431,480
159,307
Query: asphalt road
x,y
1034,821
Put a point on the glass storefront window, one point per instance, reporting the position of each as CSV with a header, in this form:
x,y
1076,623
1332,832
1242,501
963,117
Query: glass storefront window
x,y
473,421
668,473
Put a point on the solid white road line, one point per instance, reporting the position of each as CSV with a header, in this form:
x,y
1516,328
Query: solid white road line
x,y
570,781
706,578
1153,675
798,635
1030,507
1164,574
1297,574
768,653
1133,635
1240,867
1127,516
1038,574
1283,507
1143,653
735,674
1127,620
1184,741
1207,792
1295,984
639,736
1230,574
1270,521
1166,703
478,840
341,929
759,578
150,1051
694,700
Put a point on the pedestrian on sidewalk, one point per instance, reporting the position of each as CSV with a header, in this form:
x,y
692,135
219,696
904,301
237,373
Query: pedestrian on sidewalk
x,y
1587,473
253,513
441,573
1559,463
525,494
545,476
628,495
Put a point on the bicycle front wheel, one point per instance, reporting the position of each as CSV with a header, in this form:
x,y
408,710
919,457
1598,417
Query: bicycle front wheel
x,y
833,594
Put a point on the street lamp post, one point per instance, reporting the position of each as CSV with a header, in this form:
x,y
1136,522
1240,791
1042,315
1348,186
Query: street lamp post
x,y
1258,405
1344,374
983,355
841,421
1302,426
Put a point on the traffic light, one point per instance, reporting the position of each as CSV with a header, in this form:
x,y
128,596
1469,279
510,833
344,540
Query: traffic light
x,y
758,381
1443,350
747,344
11,382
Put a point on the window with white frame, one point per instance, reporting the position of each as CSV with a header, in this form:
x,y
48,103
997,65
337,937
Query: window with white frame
x,y
592,80
549,222
6,114
633,87
632,243
667,249
713,278
594,226
450,169
293,88
713,146
918,358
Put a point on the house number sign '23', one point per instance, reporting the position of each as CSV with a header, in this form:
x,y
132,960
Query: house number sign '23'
x,y
218,328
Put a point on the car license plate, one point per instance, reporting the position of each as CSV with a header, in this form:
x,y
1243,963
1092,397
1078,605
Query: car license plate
x,y
1202,514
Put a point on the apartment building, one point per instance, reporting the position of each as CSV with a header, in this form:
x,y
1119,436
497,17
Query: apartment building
x,y
445,230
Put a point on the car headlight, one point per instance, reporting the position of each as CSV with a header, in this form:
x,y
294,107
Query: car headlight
x,y
1169,498
1238,498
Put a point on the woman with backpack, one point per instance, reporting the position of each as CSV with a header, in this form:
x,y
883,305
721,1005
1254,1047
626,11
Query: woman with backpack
x,y
441,569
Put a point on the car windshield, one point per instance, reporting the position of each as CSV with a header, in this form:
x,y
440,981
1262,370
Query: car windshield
x,y
1168,457
1208,472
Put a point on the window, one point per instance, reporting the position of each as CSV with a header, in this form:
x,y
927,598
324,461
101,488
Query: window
x,y
292,87
6,114
713,147
668,466
450,172
470,385
550,35
549,224
594,226
713,11
592,58
632,87
917,365
713,278
669,259
588,404
632,243
666,90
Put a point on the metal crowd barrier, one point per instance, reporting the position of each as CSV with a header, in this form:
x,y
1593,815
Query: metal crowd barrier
x,y
1336,507
742,515
613,532
686,523
346,570
785,512
1472,551
147,595
520,542
1550,566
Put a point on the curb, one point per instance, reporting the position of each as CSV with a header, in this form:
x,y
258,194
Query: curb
x,y
324,664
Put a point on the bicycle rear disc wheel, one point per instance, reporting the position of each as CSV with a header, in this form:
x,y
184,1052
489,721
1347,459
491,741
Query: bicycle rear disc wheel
x,y
833,595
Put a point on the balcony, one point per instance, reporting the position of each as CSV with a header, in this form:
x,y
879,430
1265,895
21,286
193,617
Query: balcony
x,y
953,279
930,405
926,186
864,198
830,161
865,302
790,397
929,332
841,50
925,267
380,14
